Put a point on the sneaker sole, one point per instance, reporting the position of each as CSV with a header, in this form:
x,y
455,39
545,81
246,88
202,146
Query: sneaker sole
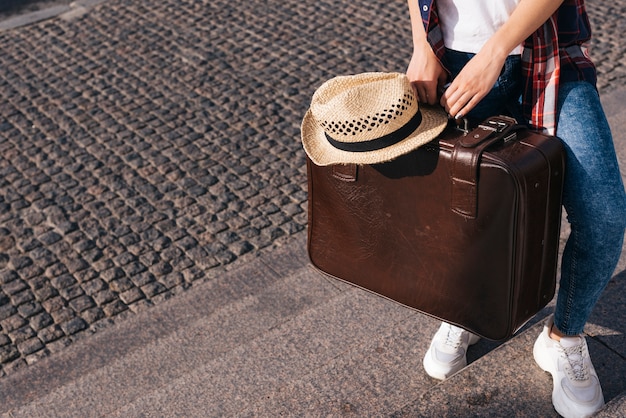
x,y
435,372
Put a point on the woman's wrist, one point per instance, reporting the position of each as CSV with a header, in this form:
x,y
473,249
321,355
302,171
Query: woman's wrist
x,y
498,51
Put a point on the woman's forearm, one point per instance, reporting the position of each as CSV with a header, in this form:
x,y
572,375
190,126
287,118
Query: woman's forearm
x,y
479,75
424,70
527,17
417,26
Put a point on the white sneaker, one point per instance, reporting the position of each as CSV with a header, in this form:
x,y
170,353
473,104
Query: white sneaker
x,y
446,354
577,391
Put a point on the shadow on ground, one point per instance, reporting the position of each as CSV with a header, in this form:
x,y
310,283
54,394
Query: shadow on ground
x,y
10,8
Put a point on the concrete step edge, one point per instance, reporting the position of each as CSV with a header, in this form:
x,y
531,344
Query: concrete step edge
x,y
316,363
133,332
124,388
370,378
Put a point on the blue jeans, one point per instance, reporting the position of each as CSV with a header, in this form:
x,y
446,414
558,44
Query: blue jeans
x,y
595,202
593,195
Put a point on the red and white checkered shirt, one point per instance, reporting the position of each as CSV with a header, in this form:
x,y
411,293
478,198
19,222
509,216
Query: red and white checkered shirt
x,y
555,53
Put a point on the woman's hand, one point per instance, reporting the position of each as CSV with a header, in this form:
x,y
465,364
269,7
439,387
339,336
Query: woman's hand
x,y
426,74
424,71
472,84
481,72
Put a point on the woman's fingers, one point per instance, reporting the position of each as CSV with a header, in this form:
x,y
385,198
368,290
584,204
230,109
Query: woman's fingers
x,y
426,91
471,85
459,103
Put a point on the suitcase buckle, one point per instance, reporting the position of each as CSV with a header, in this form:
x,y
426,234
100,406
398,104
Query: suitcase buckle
x,y
497,125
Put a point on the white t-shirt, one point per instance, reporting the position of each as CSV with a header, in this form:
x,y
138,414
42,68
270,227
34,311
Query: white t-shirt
x,y
480,20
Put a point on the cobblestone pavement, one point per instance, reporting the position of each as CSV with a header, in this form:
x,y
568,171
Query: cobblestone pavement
x,y
146,145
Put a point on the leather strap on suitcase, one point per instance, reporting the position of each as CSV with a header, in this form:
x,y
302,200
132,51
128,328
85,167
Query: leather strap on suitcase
x,y
466,160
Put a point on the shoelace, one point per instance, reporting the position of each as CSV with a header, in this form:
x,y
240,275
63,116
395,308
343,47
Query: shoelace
x,y
453,338
574,356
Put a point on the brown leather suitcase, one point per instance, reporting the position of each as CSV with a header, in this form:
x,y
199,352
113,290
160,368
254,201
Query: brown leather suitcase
x,y
465,228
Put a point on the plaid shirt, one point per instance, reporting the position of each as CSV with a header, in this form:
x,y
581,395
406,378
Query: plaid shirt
x,y
554,53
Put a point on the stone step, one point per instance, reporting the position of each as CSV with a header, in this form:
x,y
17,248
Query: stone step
x,y
507,382
240,342
272,336
254,341
320,361
327,358
166,334
221,343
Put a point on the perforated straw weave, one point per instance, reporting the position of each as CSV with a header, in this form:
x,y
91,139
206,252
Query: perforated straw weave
x,y
367,119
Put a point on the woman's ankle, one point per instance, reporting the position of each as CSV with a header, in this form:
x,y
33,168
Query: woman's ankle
x,y
555,334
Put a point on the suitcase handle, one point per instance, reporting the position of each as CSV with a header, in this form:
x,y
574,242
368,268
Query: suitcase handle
x,y
466,161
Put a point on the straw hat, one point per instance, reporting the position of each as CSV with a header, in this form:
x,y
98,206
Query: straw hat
x,y
367,119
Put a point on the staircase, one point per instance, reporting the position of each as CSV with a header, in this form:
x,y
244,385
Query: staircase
x,y
273,337
270,336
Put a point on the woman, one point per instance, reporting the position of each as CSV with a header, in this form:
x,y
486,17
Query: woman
x,y
527,58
